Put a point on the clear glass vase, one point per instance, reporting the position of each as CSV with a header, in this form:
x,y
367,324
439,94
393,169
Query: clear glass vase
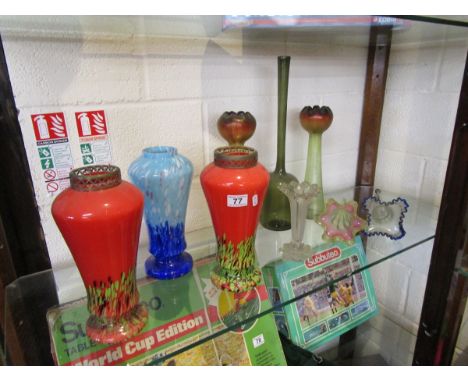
x,y
276,214
300,195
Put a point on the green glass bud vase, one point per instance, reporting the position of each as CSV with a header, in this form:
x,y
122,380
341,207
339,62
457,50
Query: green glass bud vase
x,y
315,120
276,213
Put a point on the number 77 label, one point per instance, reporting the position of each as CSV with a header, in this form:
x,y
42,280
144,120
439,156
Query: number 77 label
x,y
237,200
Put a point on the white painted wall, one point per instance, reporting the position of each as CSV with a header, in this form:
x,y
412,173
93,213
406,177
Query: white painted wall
x,y
421,101
170,91
160,90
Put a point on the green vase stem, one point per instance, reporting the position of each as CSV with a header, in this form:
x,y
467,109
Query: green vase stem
x,y
313,174
283,81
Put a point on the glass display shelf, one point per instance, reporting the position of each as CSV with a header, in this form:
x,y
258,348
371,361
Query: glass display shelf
x,y
29,298
387,338
340,30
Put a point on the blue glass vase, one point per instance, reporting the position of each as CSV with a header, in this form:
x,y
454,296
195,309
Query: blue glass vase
x,y
164,177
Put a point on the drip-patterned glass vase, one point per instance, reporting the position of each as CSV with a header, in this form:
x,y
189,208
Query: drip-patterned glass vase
x,y
276,214
99,217
164,177
234,186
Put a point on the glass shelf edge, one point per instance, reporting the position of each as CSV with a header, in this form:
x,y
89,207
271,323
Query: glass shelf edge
x,y
285,303
270,310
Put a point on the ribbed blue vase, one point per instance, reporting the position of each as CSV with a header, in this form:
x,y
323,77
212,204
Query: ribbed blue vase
x,y
164,177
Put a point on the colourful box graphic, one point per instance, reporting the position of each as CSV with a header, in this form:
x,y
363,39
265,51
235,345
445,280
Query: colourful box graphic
x,y
330,311
181,311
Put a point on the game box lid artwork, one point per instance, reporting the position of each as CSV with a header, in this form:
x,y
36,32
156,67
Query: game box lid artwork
x,y
181,312
330,311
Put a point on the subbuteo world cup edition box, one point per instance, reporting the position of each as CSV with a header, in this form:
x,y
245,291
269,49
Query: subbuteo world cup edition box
x,y
181,312
330,311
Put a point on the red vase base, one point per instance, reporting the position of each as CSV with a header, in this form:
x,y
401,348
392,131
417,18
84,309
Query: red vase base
x,y
242,281
112,331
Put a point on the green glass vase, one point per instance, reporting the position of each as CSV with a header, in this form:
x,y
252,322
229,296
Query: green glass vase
x,y
315,120
276,213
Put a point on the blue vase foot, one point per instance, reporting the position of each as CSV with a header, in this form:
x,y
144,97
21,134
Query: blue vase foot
x,y
169,268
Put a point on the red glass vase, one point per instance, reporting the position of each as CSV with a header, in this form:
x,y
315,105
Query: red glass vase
x,y
100,217
234,186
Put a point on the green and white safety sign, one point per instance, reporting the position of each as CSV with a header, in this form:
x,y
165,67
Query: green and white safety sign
x,y
54,150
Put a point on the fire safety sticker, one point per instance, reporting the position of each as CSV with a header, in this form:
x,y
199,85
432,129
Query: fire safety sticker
x,y
94,139
54,150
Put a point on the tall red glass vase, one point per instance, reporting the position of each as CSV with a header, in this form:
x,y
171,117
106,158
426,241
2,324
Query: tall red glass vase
x,y
235,185
99,217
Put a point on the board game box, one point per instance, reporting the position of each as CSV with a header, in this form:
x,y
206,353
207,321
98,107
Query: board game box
x,y
330,311
181,312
